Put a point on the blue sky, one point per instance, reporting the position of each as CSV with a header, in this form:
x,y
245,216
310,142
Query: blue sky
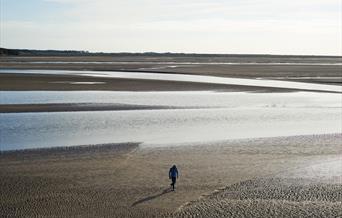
x,y
203,26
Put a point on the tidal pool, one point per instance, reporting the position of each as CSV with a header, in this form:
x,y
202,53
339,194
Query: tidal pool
x,y
218,116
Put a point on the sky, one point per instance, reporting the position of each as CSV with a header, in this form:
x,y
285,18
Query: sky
x,y
307,27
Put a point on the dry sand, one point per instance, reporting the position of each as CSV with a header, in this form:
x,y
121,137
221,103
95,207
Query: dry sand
x,y
266,177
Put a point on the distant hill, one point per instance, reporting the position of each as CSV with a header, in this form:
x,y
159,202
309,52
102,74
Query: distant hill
x,y
34,52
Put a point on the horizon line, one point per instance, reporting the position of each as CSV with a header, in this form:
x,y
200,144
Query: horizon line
x,y
84,52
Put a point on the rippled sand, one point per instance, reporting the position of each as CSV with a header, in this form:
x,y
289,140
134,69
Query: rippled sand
x,y
266,177
269,197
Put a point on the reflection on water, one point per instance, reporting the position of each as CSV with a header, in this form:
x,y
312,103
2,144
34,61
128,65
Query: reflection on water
x,y
233,115
178,99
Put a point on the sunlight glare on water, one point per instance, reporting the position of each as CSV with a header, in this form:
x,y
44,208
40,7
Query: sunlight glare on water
x,y
218,116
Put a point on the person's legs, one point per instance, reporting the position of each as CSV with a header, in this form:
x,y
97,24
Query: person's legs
x,y
173,182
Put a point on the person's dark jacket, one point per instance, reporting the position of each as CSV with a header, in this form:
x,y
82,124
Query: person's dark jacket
x,y
173,172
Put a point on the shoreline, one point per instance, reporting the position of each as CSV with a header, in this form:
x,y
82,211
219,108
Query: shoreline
x,y
123,145
72,149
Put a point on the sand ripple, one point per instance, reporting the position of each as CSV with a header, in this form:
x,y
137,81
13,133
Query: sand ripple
x,y
273,197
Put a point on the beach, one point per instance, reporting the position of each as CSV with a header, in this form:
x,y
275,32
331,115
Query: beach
x,y
265,177
175,109
96,136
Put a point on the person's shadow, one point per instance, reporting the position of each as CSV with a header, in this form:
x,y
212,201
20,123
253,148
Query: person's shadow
x,y
165,191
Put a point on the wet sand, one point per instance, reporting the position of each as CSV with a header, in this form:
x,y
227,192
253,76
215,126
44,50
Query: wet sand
x,y
241,66
31,82
292,68
20,108
266,177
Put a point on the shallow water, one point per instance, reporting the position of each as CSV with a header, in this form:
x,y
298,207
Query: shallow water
x,y
177,98
229,116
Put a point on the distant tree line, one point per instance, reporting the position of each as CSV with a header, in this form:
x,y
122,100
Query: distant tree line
x,y
34,52
29,52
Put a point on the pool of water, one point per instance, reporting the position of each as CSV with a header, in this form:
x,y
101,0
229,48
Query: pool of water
x,y
220,116
177,98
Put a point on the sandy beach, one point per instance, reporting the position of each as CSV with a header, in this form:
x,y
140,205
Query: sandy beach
x,y
265,177
289,176
178,109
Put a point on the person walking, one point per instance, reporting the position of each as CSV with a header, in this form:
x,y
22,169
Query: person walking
x,y
173,175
